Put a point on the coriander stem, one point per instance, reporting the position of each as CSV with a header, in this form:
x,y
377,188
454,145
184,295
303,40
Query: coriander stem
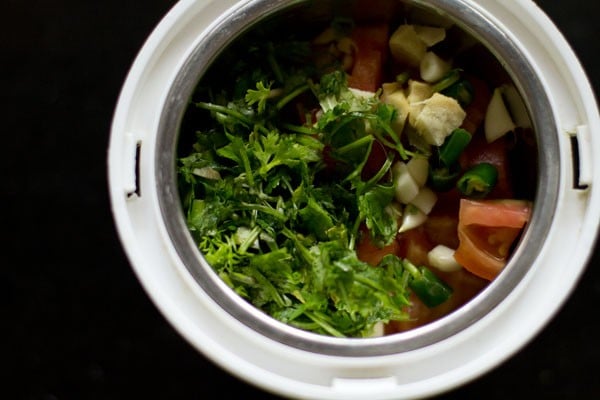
x,y
273,62
264,209
289,97
382,171
328,328
249,241
224,110
298,129
365,140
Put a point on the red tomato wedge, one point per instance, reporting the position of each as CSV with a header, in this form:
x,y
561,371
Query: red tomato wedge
x,y
369,57
366,73
494,213
486,232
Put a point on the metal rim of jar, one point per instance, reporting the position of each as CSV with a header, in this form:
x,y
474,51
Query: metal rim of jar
x,y
233,24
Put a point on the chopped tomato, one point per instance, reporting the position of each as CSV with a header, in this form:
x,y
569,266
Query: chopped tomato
x,y
442,222
366,73
368,252
442,229
465,286
487,230
373,36
376,160
478,107
414,245
494,213
369,57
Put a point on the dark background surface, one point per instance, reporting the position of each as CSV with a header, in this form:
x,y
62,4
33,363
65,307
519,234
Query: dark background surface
x,y
76,323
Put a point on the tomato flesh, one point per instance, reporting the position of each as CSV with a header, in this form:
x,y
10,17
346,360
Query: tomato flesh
x,y
371,52
486,231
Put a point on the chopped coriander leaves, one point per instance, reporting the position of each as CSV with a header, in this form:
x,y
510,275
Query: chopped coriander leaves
x,y
276,205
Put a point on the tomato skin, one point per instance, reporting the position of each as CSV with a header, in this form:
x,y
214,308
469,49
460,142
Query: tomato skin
x,y
494,213
366,73
369,57
486,231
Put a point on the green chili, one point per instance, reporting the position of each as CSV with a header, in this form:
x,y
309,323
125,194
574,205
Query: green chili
x,y
478,181
448,80
443,178
453,146
462,91
403,77
430,289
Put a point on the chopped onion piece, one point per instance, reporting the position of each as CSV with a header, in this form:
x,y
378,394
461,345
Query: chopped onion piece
x,y
418,167
440,116
244,234
498,121
406,46
433,68
516,106
417,93
406,189
430,35
412,218
400,102
207,172
361,94
442,258
378,330
425,200
394,210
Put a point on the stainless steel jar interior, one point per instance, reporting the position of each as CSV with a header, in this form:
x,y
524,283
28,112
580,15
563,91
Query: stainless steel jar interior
x,y
248,14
